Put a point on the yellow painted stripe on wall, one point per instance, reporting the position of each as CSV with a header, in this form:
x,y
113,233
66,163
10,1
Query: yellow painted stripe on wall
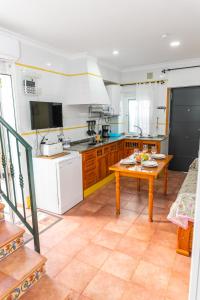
x,y
55,72
98,185
28,133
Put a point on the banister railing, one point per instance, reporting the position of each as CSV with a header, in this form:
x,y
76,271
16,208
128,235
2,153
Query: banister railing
x,y
17,177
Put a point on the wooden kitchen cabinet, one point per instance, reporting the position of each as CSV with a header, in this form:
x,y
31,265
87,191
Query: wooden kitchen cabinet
x,y
130,146
89,168
102,164
96,162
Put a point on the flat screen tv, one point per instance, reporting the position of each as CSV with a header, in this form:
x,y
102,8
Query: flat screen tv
x,y
46,115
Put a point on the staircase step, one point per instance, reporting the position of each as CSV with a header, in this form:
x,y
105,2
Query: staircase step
x,y
1,206
1,211
22,269
11,238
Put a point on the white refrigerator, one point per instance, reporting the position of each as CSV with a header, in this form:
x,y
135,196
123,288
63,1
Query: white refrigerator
x,y
58,182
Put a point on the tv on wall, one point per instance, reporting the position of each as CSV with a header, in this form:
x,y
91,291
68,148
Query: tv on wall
x,y
46,115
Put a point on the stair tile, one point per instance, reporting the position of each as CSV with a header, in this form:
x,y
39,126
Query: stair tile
x,y
1,211
25,267
1,206
21,262
11,238
6,282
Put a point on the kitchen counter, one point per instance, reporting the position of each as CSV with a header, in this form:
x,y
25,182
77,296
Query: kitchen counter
x,y
84,146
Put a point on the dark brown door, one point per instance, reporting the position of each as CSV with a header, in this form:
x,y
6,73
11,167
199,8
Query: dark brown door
x,y
184,127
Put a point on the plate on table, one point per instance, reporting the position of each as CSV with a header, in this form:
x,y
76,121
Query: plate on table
x,y
149,164
158,156
127,161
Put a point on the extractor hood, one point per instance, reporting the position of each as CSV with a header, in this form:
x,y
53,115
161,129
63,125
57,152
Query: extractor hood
x,y
86,84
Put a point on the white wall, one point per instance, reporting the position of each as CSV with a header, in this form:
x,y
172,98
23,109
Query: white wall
x,y
51,87
179,78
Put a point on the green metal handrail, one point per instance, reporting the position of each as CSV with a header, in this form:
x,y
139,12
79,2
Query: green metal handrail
x,y
8,165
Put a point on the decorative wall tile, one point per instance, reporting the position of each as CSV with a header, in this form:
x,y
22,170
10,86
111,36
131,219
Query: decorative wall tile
x,y
11,247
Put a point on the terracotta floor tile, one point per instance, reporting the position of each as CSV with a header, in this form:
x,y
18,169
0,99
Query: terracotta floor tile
x,y
90,206
94,255
56,262
132,247
119,226
128,215
182,264
120,265
88,230
76,275
137,292
152,277
167,226
160,255
51,237
177,288
135,206
141,232
137,258
164,238
71,245
105,287
107,210
142,219
82,297
107,239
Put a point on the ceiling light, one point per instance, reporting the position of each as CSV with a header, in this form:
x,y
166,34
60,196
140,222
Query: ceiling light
x,y
48,64
115,52
175,44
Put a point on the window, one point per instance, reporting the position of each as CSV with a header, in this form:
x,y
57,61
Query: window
x,y
139,115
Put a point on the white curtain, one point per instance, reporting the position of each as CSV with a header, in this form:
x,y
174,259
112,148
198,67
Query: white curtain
x,y
148,98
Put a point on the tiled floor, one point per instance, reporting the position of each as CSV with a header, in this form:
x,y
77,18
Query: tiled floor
x,y
95,255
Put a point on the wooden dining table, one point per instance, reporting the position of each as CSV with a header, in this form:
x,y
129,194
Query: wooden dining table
x,y
139,172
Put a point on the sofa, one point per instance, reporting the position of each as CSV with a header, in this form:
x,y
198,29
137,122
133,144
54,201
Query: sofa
x,y
183,209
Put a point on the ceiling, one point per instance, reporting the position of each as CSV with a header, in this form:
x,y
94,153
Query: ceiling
x,y
134,27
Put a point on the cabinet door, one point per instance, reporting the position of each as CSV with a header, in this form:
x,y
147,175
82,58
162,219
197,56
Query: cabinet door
x,y
89,168
102,167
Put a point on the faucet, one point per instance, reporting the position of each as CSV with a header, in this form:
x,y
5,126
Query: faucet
x,y
141,133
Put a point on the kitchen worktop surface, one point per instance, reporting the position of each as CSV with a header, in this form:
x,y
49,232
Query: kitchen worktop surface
x,y
82,146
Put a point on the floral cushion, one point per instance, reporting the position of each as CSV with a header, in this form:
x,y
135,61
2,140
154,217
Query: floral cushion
x,y
183,209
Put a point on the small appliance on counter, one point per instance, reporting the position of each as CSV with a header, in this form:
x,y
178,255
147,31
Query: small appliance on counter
x,y
105,131
51,149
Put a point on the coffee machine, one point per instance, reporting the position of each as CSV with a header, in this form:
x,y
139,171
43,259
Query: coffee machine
x,y
105,131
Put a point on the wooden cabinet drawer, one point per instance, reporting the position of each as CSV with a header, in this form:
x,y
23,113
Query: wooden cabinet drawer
x,y
100,152
89,164
89,155
106,149
90,178
131,144
120,145
113,147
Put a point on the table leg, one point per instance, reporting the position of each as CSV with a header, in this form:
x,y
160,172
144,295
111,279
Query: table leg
x,y
117,177
165,179
138,184
151,191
